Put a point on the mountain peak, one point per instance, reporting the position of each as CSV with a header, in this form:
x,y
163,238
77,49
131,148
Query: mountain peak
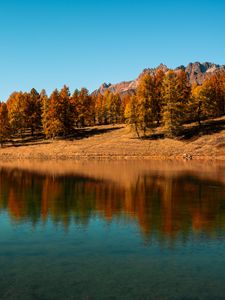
x,y
196,72
162,67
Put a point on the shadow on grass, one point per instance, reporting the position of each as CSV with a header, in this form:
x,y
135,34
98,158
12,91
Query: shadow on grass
x,y
17,144
39,138
191,132
154,136
207,128
83,133
26,140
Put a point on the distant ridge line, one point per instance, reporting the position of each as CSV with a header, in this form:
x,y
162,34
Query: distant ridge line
x,y
196,72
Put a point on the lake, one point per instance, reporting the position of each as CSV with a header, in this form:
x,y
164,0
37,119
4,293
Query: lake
x,y
116,230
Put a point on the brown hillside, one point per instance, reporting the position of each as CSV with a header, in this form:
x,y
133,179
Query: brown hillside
x,y
119,142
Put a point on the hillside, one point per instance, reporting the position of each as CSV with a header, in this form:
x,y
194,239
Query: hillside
x,y
196,72
119,142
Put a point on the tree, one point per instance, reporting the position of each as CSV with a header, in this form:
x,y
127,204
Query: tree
x,y
131,114
114,108
33,110
214,93
184,93
66,110
149,101
99,109
16,105
176,93
158,89
4,124
44,108
74,100
84,108
197,101
108,98
146,103
52,123
125,101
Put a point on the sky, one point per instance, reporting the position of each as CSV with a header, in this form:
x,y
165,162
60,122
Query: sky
x,y
83,43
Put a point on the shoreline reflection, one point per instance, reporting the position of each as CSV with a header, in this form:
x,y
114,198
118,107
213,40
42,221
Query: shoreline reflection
x,y
165,205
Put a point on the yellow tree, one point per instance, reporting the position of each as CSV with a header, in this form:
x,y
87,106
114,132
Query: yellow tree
x,y
131,114
158,99
99,109
108,98
214,94
184,94
126,99
16,105
114,107
44,107
146,108
52,124
84,108
176,93
197,101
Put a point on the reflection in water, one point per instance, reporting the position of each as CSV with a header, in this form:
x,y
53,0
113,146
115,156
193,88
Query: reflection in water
x,y
163,205
111,231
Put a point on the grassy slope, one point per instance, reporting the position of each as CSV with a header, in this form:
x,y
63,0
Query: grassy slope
x,y
118,142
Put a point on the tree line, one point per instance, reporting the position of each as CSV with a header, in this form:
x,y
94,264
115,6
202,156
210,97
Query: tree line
x,y
162,99
169,100
56,115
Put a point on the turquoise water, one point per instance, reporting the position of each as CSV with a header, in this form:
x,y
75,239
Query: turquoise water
x,y
162,236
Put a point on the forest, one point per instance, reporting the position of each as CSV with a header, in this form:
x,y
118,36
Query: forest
x,y
165,100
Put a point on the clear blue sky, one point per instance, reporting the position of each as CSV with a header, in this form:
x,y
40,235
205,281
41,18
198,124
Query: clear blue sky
x,y
49,43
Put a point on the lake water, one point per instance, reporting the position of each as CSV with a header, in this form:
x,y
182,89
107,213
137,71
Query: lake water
x,y
123,230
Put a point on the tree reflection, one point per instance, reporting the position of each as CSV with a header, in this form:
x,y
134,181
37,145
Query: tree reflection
x,y
165,206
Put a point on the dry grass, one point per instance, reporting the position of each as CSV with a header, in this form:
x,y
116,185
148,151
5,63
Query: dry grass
x,y
119,142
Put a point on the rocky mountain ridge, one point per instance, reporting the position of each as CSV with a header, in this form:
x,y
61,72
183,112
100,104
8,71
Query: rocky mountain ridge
x,y
196,72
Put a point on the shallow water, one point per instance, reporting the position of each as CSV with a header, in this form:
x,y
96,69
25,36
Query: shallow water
x,y
134,230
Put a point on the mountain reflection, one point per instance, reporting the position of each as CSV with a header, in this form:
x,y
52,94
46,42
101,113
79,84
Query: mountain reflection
x,y
160,204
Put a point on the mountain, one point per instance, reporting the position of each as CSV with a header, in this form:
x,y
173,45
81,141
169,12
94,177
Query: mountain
x,y
196,72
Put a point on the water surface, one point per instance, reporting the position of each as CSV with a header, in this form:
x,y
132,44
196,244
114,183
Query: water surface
x,y
134,230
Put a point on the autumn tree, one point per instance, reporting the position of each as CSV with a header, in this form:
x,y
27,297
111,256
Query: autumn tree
x,y
32,110
158,97
52,124
16,105
44,107
114,108
108,98
84,108
146,107
99,109
196,104
4,124
184,93
65,110
126,99
131,114
149,101
176,93
214,93
74,100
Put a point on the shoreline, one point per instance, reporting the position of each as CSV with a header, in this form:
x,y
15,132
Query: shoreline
x,y
107,157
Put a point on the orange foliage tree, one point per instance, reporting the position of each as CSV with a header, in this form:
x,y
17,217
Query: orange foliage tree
x,y
4,124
